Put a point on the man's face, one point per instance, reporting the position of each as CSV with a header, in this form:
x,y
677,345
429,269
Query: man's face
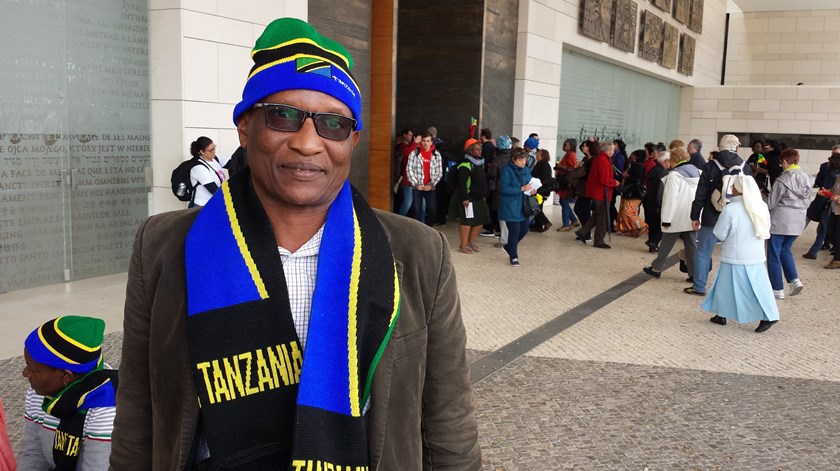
x,y
409,136
609,150
426,143
296,169
757,147
45,380
691,148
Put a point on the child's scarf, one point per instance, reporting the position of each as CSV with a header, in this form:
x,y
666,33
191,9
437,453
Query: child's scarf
x,y
265,403
70,406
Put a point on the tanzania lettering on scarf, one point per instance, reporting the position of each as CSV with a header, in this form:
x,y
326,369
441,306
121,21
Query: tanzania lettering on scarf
x,y
317,465
253,372
67,443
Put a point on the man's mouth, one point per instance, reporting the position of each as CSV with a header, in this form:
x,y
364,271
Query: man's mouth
x,y
303,170
302,167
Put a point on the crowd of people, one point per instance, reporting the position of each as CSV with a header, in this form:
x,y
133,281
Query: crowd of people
x,y
668,193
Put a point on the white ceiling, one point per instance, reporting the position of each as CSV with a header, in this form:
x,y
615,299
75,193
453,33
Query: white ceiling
x,y
782,5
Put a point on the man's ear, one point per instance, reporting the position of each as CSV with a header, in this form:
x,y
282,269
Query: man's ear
x,y
355,137
242,128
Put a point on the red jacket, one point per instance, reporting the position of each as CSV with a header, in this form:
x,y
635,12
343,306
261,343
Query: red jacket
x,y
600,178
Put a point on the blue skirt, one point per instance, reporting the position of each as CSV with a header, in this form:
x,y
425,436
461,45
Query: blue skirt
x,y
742,293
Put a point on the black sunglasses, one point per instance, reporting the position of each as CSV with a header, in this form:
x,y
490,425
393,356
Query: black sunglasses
x,y
290,119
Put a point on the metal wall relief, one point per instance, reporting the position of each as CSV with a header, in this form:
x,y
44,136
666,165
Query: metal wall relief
x,y
681,10
670,46
663,4
597,19
695,21
624,32
687,55
650,47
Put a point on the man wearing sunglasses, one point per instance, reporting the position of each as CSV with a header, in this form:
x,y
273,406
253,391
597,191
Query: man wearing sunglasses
x,y
287,325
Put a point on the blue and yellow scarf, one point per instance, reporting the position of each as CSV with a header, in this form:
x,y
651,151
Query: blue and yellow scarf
x,y
265,403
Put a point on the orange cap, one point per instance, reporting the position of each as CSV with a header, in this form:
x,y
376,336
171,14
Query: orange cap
x,y
469,143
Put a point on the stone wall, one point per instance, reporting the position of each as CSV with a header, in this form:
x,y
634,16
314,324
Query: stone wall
x,y
499,71
348,22
439,66
784,48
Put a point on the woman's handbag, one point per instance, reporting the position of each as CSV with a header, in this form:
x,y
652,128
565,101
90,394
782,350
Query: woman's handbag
x,y
530,206
634,191
817,207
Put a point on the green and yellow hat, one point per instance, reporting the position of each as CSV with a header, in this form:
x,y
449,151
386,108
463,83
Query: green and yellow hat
x,y
69,343
291,55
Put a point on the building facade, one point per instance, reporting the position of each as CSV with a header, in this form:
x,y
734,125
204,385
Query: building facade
x,y
101,104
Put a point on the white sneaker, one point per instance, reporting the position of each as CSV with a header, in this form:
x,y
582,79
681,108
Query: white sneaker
x,y
795,287
779,294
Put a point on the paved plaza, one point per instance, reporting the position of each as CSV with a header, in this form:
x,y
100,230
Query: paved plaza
x,y
581,362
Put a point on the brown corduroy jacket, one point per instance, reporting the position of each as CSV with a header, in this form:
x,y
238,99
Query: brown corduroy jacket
x,y
421,414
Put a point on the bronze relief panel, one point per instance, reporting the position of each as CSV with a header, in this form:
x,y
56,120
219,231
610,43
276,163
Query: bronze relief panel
x,y
663,4
624,33
670,46
651,43
681,10
695,21
687,55
597,19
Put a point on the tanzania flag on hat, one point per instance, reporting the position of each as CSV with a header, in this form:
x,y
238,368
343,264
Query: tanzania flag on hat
x,y
69,343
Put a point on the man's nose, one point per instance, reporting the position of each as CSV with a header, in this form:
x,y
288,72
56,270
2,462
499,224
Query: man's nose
x,y
306,140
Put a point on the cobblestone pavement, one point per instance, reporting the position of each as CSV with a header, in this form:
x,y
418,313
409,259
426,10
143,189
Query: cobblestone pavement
x,y
644,382
546,413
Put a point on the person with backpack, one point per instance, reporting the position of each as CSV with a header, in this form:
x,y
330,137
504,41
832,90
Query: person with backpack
x,y
206,177
468,198
728,161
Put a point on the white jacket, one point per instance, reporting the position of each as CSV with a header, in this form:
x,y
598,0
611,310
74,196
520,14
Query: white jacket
x,y
677,197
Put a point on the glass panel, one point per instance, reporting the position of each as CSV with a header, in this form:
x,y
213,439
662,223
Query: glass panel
x,y
32,156
74,138
611,102
108,114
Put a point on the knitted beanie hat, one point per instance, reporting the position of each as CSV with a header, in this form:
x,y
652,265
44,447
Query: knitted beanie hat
x,y
69,343
291,55
532,143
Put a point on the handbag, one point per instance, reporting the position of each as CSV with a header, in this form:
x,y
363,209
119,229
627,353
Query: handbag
x,y
530,206
815,210
634,191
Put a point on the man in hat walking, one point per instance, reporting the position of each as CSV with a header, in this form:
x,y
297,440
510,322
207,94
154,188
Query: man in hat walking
x,y
704,213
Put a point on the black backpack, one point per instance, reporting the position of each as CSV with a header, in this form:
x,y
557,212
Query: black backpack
x,y
181,176
452,177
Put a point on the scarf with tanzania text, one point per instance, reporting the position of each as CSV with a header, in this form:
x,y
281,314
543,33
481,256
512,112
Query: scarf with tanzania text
x,y
70,406
265,404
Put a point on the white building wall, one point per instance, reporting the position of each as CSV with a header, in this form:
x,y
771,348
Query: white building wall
x,y
546,26
764,109
784,48
768,54
199,59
